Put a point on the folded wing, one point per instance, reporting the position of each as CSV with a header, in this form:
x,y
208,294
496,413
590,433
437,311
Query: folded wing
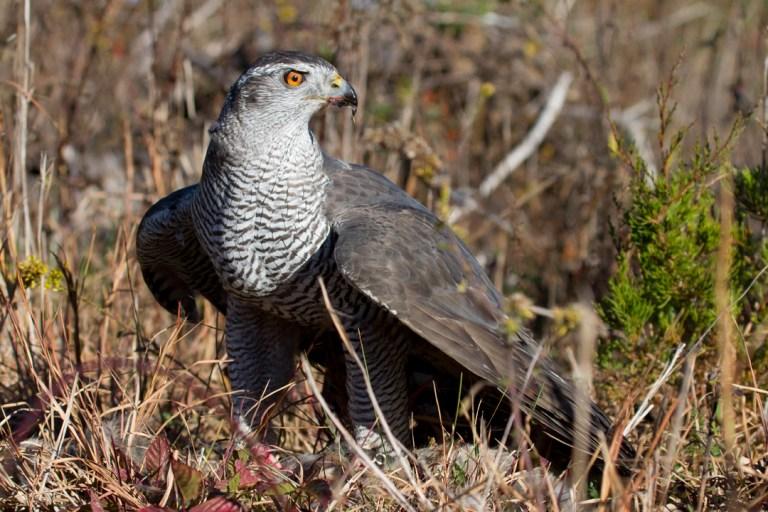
x,y
173,263
403,257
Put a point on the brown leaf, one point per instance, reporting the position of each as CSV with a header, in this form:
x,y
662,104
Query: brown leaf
x,y
96,505
188,480
157,455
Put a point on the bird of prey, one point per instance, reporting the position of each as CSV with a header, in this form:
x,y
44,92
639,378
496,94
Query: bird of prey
x,y
273,214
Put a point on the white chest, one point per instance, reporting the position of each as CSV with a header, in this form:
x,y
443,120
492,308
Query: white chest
x,y
261,227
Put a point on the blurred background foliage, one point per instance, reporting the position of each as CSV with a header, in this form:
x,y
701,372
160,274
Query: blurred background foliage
x,y
121,94
466,79
618,207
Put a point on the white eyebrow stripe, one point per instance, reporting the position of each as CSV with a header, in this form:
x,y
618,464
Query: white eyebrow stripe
x,y
269,69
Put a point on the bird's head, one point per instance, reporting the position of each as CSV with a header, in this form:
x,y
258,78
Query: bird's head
x,y
285,89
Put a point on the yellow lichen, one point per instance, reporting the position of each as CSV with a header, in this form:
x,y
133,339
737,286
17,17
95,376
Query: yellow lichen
x,y
512,325
531,48
521,306
286,12
55,280
33,269
566,320
487,90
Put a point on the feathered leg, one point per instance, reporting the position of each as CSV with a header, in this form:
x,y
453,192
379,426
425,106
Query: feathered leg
x,y
262,349
380,343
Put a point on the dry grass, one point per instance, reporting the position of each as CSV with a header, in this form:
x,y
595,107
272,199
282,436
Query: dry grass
x,y
104,108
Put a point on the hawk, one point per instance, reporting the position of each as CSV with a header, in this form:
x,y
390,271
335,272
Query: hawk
x,y
273,214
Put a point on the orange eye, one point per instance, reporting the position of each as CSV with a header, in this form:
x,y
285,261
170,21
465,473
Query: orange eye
x,y
293,78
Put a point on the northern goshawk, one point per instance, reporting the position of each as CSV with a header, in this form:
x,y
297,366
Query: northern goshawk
x,y
273,213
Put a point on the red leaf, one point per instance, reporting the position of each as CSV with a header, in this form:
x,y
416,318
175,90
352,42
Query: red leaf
x,y
188,480
263,454
246,477
96,505
217,504
157,455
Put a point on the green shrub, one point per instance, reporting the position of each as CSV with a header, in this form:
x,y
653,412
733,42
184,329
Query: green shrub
x,y
662,293
665,284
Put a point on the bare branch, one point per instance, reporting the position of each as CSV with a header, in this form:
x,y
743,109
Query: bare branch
x,y
534,138
527,147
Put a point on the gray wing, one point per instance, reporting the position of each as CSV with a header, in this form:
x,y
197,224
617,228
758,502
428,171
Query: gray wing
x,y
401,256
172,262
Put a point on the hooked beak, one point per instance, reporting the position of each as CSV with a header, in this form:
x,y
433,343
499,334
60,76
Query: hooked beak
x,y
342,94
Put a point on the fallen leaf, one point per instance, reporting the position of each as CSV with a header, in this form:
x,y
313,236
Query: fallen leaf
x,y
157,455
188,480
246,478
96,505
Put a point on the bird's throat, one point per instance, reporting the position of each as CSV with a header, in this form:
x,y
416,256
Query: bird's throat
x,y
259,213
